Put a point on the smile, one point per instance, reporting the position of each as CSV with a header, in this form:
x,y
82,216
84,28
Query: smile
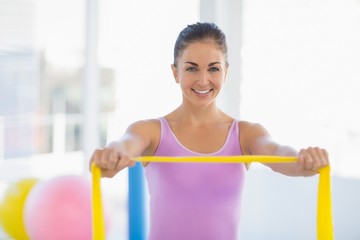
x,y
202,92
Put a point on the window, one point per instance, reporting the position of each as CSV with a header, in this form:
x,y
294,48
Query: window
x,y
300,74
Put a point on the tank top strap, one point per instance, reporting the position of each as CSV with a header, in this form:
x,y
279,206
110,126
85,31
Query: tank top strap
x,y
232,144
166,132
234,131
168,144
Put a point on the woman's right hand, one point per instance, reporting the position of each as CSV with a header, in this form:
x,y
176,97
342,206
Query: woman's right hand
x,y
110,160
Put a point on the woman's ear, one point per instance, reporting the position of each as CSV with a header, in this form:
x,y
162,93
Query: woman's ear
x,y
175,73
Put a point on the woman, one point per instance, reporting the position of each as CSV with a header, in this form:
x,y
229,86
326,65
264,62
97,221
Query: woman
x,y
196,200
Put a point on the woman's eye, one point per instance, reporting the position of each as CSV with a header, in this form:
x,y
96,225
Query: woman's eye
x,y
191,69
214,69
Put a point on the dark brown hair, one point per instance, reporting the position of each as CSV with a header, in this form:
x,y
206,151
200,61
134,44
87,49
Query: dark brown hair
x,y
199,32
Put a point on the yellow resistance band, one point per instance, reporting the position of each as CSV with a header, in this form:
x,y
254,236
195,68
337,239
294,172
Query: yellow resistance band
x,y
324,209
98,224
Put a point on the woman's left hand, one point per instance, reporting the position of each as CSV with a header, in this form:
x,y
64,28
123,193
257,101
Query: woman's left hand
x,y
312,159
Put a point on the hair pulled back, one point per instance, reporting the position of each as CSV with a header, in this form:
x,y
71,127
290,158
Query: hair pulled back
x,y
200,32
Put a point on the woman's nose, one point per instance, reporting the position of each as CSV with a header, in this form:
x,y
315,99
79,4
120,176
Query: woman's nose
x,y
203,78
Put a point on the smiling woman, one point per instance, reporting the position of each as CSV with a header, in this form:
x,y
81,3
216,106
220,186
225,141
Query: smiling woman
x,y
197,194
200,61
201,69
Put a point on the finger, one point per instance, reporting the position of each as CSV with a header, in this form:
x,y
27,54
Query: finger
x,y
304,159
308,160
316,157
324,157
301,158
104,158
113,159
96,157
128,162
121,163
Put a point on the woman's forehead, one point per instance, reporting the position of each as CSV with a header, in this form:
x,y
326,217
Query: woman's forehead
x,y
199,51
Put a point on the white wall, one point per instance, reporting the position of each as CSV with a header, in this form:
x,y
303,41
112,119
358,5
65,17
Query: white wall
x,y
277,207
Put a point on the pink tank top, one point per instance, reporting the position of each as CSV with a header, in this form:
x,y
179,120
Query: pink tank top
x,y
194,201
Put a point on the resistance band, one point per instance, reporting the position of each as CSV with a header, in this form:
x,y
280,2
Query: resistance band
x,y
98,223
324,206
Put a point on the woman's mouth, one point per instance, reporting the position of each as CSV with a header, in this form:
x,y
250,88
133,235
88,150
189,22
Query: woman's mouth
x,y
202,92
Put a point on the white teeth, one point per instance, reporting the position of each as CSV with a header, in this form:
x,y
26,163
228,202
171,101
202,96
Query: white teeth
x,y
202,92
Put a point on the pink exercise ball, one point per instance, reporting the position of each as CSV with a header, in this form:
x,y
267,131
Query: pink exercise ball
x,y
59,209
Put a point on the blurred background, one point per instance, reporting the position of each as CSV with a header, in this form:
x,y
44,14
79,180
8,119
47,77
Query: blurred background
x,y
74,74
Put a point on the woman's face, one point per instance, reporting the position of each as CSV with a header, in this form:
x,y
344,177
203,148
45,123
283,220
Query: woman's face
x,y
201,71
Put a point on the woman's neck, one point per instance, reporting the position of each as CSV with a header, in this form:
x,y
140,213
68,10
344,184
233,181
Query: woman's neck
x,y
198,115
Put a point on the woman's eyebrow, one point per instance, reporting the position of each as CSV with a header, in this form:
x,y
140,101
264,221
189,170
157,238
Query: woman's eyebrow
x,y
209,65
213,63
192,63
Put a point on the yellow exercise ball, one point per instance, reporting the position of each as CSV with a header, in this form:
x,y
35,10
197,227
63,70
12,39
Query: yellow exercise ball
x,y
11,208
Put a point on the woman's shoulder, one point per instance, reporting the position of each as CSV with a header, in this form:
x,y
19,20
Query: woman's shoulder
x,y
146,124
146,128
246,125
249,133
